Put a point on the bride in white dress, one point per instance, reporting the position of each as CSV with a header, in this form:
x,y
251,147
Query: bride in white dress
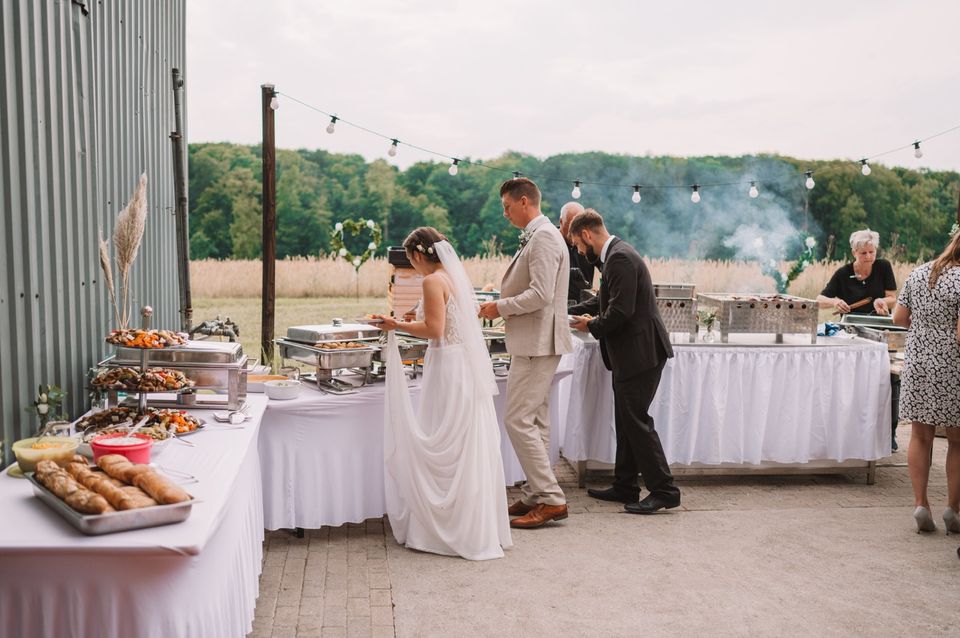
x,y
444,479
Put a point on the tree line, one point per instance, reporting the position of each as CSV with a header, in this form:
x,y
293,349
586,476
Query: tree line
x,y
913,210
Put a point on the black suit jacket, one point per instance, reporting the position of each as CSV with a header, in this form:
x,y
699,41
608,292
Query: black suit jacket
x,y
581,274
633,338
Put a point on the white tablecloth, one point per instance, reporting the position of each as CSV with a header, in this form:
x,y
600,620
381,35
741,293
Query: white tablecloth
x,y
196,578
321,455
745,404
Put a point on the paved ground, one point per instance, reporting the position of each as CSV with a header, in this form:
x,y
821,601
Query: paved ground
x,y
825,556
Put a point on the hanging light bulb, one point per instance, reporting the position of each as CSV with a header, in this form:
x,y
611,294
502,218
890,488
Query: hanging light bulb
x,y
575,193
916,150
695,195
636,194
274,102
517,174
331,127
753,190
392,152
809,183
453,167
864,167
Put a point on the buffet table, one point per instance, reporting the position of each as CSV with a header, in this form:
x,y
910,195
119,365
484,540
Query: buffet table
x,y
322,454
196,578
749,404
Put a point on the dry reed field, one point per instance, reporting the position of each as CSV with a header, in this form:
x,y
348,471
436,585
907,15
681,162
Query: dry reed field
x,y
324,277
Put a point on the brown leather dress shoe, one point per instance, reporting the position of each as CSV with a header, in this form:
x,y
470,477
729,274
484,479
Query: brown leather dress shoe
x,y
519,508
539,515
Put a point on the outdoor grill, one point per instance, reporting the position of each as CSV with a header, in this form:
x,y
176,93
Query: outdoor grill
x,y
677,304
746,313
876,328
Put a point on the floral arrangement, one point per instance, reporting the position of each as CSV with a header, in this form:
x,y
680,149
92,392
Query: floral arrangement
x,y
707,318
47,404
127,236
806,257
355,227
954,229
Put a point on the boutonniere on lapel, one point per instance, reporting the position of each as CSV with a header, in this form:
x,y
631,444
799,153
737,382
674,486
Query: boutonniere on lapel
x,y
525,236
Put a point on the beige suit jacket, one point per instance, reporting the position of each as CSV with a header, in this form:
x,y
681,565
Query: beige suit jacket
x,y
533,293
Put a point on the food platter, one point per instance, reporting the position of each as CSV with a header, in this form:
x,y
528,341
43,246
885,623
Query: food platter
x,y
121,521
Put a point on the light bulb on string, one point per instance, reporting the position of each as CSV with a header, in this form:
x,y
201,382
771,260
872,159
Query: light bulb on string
x,y
332,126
864,167
753,190
453,167
274,102
575,193
517,174
392,152
916,150
809,183
695,195
636,194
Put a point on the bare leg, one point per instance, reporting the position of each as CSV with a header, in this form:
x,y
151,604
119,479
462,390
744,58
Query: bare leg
x,y
918,460
953,468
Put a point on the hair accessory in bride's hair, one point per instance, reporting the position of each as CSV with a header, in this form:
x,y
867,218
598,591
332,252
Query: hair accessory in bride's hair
x,y
425,250
430,250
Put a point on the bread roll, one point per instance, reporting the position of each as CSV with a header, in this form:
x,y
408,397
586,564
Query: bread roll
x,y
122,498
64,487
163,490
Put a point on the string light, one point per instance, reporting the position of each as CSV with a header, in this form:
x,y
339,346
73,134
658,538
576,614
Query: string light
x,y
694,196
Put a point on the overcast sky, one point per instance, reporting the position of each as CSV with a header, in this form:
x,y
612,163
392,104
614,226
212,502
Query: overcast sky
x,y
815,80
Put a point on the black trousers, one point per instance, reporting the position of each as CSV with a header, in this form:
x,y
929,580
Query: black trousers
x,y
639,450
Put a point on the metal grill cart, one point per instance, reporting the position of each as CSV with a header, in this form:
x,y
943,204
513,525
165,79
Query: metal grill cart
x,y
776,314
677,304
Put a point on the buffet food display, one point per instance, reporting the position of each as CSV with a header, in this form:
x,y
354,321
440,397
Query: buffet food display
x,y
330,349
763,314
146,338
160,424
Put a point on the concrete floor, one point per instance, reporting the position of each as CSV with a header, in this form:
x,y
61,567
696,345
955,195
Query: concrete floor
x,y
824,556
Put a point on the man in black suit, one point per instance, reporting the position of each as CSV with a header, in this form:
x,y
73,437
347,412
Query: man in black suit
x,y
581,268
635,346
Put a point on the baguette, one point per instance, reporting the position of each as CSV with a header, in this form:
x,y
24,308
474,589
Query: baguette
x,y
120,468
163,490
64,487
121,498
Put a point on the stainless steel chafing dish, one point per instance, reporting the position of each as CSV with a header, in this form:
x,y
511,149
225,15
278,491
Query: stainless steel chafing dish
x,y
677,304
311,344
876,328
412,350
211,365
777,314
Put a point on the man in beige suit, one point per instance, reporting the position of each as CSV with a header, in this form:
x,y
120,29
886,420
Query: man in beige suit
x,y
533,304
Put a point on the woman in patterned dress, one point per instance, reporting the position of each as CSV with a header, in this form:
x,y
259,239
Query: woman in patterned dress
x,y
929,305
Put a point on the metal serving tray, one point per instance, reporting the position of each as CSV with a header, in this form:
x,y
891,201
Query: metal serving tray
x,y
121,521
325,358
194,353
326,332
876,328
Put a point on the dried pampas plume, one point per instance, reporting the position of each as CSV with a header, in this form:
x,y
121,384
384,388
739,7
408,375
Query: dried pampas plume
x,y
126,242
108,274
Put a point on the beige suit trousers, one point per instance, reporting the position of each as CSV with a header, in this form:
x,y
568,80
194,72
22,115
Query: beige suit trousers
x,y
527,423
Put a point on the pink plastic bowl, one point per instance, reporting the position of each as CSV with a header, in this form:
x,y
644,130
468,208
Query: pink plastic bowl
x,y
135,452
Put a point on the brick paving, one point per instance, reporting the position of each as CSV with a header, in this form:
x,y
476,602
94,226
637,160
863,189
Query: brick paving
x,y
336,581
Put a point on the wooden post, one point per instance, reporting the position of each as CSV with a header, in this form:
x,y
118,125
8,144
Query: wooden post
x,y
269,156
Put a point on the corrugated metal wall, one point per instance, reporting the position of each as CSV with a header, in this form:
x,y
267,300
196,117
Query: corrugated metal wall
x,y
86,105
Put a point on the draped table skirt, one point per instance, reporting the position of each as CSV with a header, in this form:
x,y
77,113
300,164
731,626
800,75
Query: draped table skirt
x,y
743,403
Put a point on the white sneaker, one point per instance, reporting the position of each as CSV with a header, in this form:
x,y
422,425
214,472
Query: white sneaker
x,y
924,520
951,521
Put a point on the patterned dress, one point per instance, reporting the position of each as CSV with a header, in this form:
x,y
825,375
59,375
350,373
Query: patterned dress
x,y
930,381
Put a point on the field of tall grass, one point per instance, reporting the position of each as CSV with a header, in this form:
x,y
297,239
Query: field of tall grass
x,y
323,277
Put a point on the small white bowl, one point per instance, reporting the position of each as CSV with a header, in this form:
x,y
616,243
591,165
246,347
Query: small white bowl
x,y
282,390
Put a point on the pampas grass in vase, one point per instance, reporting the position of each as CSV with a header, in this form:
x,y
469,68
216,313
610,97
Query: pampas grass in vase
x,y
127,236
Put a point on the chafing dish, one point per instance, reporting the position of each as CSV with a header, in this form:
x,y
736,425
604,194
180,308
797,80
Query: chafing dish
x,y
412,350
211,365
319,347
746,313
876,328
677,304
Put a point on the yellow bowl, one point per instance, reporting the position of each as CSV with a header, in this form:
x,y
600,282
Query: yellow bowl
x,y
61,450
